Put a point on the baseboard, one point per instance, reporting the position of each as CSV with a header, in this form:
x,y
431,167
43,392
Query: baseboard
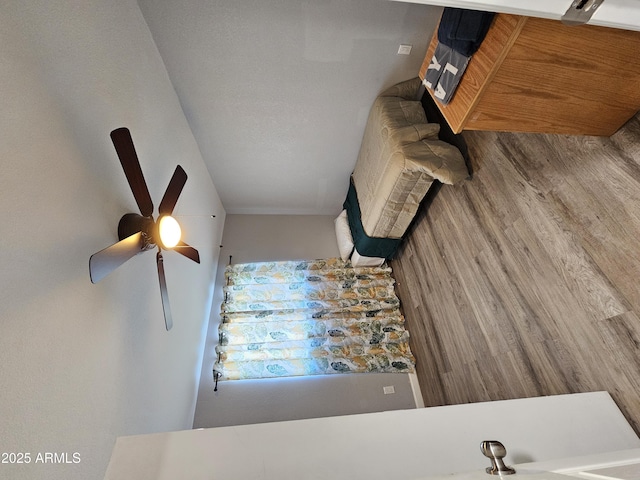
x,y
415,388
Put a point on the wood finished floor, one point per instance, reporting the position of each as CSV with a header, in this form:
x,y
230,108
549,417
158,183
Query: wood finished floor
x,y
524,281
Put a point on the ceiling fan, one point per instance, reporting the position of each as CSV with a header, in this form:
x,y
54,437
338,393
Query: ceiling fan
x,y
139,233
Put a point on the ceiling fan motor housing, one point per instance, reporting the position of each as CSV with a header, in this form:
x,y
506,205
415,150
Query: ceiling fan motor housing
x,y
132,223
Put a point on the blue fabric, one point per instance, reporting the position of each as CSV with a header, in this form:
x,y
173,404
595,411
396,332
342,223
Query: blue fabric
x,y
464,30
445,72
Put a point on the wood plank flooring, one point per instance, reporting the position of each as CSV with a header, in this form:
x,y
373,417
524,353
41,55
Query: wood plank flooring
x,y
524,281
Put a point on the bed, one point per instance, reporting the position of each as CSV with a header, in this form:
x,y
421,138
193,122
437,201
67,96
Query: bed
x,y
400,158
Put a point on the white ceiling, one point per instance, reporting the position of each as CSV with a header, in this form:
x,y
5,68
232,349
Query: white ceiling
x,y
277,92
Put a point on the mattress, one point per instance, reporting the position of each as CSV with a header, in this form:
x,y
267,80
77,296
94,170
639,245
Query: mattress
x,y
399,159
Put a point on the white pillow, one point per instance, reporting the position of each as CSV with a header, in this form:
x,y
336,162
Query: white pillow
x,y
343,235
358,260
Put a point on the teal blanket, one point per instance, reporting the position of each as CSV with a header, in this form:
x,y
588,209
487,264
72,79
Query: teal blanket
x,y
366,245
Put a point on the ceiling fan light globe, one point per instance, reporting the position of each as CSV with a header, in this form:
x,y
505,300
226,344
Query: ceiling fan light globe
x,y
169,231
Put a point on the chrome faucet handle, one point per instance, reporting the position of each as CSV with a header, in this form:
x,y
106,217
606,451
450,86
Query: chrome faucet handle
x,y
495,451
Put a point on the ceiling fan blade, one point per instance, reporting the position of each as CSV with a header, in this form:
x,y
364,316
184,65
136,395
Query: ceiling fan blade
x,y
108,259
173,191
168,321
123,143
188,251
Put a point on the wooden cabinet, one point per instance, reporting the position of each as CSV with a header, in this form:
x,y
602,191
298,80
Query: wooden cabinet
x,y
538,75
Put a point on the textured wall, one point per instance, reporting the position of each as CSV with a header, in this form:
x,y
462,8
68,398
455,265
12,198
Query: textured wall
x,y
82,364
277,93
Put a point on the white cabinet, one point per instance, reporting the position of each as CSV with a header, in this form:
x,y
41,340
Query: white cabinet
x,y
623,14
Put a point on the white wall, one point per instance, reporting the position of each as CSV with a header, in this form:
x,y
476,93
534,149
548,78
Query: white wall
x,y
263,238
81,363
400,445
251,238
277,92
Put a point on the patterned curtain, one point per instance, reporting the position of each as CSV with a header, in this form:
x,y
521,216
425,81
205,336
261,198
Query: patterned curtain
x,y
310,318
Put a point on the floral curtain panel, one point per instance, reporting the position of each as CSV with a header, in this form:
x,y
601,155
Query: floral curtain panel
x,y
310,318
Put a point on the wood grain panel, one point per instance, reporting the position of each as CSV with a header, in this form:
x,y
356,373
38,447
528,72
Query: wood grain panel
x,y
556,78
538,75
480,70
524,281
